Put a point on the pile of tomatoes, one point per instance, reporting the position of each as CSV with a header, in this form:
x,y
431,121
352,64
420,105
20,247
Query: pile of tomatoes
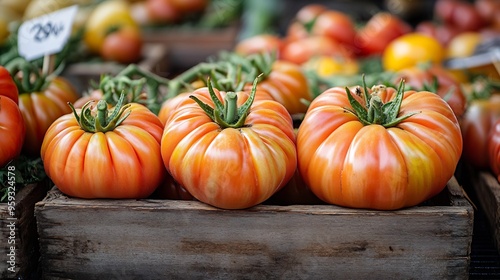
x,y
251,126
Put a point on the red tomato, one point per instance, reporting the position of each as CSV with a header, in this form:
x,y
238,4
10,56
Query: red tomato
x,y
230,167
460,14
189,6
8,87
43,107
12,130
379,31
259,43
476,124
388,157
443,33
310,12
287,84
300,51
422,78
123,46
487,9
119,161
336,25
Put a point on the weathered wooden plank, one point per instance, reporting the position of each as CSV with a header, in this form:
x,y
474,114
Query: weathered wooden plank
x,y
20,231
169,239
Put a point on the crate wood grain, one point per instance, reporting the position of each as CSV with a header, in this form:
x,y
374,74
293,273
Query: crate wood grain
x,y
189,46
171,239
24,234
155,60
487,192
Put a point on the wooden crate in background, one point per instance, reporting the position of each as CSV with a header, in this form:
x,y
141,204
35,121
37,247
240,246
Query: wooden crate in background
x,y
172,239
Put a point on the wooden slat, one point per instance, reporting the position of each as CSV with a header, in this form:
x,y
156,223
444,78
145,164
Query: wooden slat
x,y
169,239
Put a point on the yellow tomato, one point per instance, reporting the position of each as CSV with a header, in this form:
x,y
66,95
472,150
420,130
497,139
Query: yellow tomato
x,y
463,44
328,65
107,16
412,49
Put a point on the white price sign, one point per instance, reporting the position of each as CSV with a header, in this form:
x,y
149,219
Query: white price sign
x,y
46,34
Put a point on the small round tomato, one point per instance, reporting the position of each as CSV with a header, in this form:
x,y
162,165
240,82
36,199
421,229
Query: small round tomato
x,y
463,44
259,43
12,130
476,124
8,87
162,11
378,32
412,49
336,25
105,153
300,51
123,46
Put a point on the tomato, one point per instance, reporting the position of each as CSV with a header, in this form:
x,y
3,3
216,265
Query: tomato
x,y
112,160
300,51
411,49
123,46
460,14
379,31
443,33
41,108
287,84
8,87
309,13
189,6
162,11
326,66
423,78
493,146
463,44
233,161
105,17
259,43
12,130
336,25
487,9
398,153
477,122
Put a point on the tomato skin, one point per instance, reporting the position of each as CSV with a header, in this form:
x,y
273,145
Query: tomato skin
x,y
12,130
230,168
372,166
378,32
411,49
443,33
123,46
162,11
476,124
301,51
287,84
493,146
262,43
40,109
8,87
121,163
106,16
336,25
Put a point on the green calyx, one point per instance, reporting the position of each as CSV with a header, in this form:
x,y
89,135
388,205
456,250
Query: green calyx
x,y
375,111
101,120
227,114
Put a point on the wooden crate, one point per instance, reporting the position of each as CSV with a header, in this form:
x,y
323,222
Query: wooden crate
x,y
487,193
171,239
155,60
24,234
189,46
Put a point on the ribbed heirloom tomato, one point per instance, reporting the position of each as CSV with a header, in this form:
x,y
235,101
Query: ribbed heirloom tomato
x,y
378,148
105,154
229,150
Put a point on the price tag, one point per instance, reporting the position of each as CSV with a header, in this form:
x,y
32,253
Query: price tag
x,y
46,34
